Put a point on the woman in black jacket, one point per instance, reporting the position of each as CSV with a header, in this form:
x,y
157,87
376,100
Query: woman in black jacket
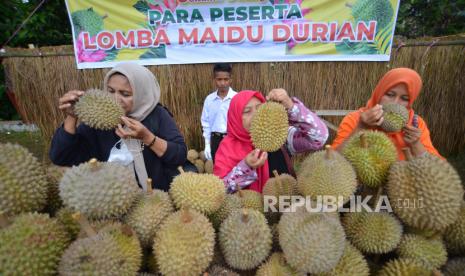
x,y
148,131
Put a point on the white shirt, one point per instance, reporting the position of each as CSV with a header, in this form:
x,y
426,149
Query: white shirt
x,y
215,112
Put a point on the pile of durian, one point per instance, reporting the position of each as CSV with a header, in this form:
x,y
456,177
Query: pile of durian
x,y
93,219
198,159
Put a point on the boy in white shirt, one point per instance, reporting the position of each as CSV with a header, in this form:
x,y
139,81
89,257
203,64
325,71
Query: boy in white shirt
x,y
215,109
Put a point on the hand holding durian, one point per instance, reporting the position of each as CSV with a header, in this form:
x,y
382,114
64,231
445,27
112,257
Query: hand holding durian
x,y
280,95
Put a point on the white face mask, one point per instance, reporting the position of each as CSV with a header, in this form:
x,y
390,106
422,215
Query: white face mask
x,y
121,155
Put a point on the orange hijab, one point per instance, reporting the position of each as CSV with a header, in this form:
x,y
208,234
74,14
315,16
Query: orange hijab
x,y
412,80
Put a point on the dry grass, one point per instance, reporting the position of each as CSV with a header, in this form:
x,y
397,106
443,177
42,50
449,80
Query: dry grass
x,y
38,82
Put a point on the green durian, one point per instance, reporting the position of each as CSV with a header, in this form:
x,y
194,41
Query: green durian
x,y
269,127
250,199
277,186
99,190
202,192
217,270
99,110
371,153
311,242
404,267
395,117
245,239
351,263
230,204
65,217
327,173
372,233
432,189
148,213
87,20
54,175
184,244
431,253
380,11
23,184
454,236
32,245
276,265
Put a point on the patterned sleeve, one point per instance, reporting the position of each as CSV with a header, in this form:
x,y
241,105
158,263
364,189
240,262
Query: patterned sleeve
x,y
241,175
306,130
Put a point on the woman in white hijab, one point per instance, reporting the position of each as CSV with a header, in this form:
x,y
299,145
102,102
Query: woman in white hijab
x,y
149,136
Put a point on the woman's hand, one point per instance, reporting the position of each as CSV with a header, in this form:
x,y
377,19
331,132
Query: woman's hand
x,y
280,95
67,101
411,135
372,117
135,129
256,158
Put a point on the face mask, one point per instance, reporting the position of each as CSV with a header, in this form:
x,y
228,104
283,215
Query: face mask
x,y
121,154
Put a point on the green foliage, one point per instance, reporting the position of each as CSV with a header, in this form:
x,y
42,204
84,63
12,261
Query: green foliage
x,y
419,18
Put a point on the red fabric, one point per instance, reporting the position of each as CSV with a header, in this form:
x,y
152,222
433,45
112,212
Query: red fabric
x,y
413,81
237,143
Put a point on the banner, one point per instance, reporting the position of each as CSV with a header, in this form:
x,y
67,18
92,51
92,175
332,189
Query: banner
x,y
152,32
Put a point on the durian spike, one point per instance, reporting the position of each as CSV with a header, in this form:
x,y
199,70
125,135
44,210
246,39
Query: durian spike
x,y
363,141
329,152
186,215
181,170
407,153
149,186
245,216
4,221
278,180
85,225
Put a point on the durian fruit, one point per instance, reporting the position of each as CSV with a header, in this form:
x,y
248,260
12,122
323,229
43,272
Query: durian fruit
x,y
250,199
32,245
352,262
54,175
454,267
276,265
202,192
312,242
454,236
202,156
371,153
148,213
100,254
432,189
217,270
275,187
281,184
327,173
192,155
245,239
23,184
404,267
230,204
184,244
65,218
199,165
372,233
208,166
395,117
380,11
99,110
269,127
431,253
87,20
275,233
99,189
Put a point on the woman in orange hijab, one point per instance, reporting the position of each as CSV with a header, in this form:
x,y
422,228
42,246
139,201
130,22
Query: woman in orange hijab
x,y
401,86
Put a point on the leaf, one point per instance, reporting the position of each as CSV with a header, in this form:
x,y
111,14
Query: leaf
x,y
111,54
158,52
356,48
141,6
